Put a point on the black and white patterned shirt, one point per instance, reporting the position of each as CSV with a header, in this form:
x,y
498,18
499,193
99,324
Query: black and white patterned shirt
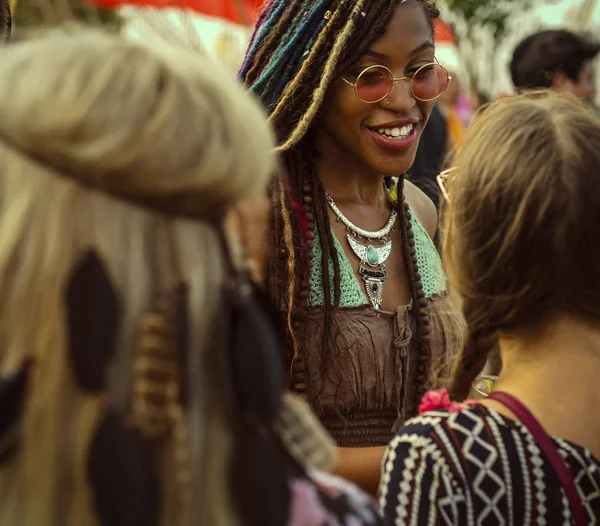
x,y
476,467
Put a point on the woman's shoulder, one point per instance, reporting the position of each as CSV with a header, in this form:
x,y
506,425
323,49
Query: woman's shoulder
x,y
419,481
430,463
465,458
441,441
452,429
438,433
422,207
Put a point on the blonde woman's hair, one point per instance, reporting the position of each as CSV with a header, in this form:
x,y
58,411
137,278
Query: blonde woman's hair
x,y
106,145
521,229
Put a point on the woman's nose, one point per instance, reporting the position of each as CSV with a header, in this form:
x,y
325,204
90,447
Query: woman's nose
x,y
400,98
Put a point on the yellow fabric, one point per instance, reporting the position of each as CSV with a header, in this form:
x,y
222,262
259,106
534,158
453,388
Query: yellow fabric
x,y
456,128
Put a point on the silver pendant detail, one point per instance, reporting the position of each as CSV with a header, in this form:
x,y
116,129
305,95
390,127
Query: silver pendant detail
x,y
369,255
367,234
373,256
374,284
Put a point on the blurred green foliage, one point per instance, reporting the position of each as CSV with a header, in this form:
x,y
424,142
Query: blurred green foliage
x,y
491,14
480,26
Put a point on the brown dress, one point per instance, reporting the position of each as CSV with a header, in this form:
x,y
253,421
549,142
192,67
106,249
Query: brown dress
x,y
363,396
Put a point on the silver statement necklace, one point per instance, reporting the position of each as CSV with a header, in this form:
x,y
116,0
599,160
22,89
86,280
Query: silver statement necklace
x,y
372,248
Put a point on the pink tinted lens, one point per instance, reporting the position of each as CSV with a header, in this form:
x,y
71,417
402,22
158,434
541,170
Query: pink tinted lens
x,y
430,82
374,84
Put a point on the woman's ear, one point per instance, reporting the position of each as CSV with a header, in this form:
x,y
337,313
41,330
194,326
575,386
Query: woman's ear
x,y
561,82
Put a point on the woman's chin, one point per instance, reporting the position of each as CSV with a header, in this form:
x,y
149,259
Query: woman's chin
x,y
395,167
391,164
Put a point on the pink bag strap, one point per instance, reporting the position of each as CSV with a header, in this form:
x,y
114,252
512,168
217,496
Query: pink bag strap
x,y
548,447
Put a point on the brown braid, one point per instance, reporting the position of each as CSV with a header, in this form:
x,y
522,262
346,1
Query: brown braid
x,y
479,344
329,253
419,302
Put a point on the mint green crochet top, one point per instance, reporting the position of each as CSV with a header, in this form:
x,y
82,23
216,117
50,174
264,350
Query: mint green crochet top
x,y
428,259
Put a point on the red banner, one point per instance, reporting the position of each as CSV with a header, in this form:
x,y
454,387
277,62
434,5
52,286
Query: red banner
x,y
244,12
443,32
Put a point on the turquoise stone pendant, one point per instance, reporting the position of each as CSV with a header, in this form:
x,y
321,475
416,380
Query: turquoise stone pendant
x,y
373,256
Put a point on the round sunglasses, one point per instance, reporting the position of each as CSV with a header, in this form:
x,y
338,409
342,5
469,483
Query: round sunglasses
x,y
375,83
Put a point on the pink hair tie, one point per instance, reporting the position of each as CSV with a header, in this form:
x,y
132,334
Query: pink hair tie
x,y
434,400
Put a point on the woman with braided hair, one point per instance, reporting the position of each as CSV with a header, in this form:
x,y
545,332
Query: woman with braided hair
x,y
520,244
349,86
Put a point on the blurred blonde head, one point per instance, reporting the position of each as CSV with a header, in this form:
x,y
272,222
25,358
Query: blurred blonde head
x,y
105,145
521,227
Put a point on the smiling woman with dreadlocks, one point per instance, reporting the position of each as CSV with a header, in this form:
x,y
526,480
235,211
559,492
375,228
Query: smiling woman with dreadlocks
x,y
349,86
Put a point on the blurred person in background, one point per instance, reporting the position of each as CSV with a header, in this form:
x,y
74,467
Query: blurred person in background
x,y
453,101
435,143
556,59
431,155
523,256
140,369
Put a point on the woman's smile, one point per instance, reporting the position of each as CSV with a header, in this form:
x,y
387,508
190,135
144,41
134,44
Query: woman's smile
x,y
400,135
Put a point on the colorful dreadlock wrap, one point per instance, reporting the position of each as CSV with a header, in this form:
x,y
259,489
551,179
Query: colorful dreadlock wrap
x,y
299,47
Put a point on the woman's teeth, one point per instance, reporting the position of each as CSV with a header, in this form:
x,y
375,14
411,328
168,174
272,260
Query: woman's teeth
x,y
397,133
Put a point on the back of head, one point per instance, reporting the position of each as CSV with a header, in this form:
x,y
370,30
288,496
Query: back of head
x,y
110,148
124,126
539,57
521,226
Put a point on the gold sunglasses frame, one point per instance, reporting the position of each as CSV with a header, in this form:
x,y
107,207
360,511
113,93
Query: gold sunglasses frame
x,y
397,79
442,179
486,377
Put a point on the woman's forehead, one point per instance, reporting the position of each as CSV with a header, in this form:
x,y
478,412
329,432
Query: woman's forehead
x,y
407,34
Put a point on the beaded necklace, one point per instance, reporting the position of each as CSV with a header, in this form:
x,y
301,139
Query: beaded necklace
x,y
420,304
372,256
